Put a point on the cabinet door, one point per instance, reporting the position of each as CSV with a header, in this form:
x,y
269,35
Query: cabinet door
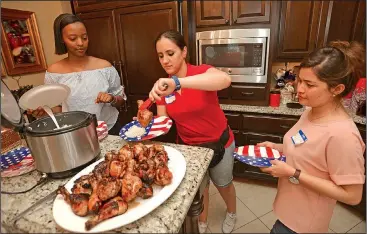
x,y
212,13
137,29
245,12
347,21
298,29
102,35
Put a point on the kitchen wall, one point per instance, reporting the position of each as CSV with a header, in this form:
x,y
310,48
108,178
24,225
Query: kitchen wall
x,y
46,12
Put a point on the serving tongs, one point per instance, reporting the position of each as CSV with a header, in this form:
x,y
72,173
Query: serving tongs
x,y
148,103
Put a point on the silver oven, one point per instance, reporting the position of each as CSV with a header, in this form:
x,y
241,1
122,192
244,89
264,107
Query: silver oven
x,y
242,53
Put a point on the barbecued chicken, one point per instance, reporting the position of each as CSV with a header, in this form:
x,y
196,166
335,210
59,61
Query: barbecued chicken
x,y
115,206
126,153
108,188
144,116
102,170
82,186
130,187
146,191
78,202
117,169
94,202
163,176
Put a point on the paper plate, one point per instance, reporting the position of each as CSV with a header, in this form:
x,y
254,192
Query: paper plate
x,y
25,166
102,130
257,156
157,127
14,157
49,95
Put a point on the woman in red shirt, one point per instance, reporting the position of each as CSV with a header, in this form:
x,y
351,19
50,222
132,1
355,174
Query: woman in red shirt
x,y
192,102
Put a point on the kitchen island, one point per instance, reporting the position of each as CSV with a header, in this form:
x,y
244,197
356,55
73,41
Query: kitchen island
x,y
169,217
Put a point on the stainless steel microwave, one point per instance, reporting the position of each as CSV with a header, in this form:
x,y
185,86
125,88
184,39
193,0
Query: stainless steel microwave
x,y
242,53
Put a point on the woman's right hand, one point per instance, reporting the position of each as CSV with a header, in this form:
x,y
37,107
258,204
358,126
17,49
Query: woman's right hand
x,y
38,113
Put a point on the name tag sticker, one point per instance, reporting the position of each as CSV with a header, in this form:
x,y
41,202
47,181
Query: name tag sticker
x,y
170,98
299,138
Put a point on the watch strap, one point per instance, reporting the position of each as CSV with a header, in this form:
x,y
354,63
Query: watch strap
x,y
177,82
297,174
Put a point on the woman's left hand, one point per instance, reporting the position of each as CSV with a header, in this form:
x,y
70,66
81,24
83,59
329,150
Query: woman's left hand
x,y
279,169
161,88
104,98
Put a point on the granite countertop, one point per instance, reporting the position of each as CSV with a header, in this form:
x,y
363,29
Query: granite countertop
x,y
281,110
167,218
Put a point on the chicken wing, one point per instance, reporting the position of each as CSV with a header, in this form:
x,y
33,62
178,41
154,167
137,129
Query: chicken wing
x,y
144,116
78,202
115,206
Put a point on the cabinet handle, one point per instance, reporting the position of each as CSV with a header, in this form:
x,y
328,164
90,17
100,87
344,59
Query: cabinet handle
x,y
284,126
247,93
114,63
227,21
235,20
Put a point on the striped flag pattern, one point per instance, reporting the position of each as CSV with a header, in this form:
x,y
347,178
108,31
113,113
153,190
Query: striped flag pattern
x,y
258,151
102,130
161,125
257,156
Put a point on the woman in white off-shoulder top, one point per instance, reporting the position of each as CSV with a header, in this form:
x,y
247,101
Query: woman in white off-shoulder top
x,y
94,83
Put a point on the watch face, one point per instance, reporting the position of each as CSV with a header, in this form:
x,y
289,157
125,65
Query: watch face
x,y
293,180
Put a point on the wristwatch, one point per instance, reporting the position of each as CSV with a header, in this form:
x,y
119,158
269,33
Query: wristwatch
x,y
177,82
295,178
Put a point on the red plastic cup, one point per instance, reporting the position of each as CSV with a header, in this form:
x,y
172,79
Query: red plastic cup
x,y
274,99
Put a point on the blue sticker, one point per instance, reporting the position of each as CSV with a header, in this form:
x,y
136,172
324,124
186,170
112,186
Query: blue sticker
x,y
299,138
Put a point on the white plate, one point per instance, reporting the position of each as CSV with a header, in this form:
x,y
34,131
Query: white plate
x,y
67,220
49,95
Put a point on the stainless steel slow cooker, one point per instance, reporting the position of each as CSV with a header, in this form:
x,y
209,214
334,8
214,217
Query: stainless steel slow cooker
x,y
58,152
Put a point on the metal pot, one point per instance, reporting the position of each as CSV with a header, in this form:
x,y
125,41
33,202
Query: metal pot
x,y
58,152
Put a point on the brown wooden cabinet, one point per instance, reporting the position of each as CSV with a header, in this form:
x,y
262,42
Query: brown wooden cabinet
x,y
221,13
102,35
306,25
346,21
299,27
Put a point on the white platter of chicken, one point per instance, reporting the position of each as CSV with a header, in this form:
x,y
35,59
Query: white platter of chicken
x,y
119,189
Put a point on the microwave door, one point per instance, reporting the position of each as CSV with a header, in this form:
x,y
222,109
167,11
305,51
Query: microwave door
x,y
238,57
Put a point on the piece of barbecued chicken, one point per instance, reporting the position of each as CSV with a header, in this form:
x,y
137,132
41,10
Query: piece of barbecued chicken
x,y
146,191
115,206
144,116
94,202
140,152
130,187
111,155
126,153
161,159
163,176
117,169
78,202
108,188
146,171
82,185
102,170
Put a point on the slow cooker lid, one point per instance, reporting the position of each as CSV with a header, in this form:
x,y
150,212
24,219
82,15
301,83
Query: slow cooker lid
x,y
9,106
67,121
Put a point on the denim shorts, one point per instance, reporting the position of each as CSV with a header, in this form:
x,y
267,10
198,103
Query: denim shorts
x,y
222,174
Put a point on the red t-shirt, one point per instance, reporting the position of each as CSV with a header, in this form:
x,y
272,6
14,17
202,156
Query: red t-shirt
x,y
197,114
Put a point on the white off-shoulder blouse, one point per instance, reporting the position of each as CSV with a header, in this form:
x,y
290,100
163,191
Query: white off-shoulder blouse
x,y
85,87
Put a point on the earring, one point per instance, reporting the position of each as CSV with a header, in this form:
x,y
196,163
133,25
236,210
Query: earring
x,y
333,95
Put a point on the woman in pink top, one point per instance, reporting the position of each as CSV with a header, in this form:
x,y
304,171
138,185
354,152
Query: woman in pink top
x,y
324,148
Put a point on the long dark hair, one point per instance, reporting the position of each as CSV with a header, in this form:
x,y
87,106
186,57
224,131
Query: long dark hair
x,y
340,62
60,22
